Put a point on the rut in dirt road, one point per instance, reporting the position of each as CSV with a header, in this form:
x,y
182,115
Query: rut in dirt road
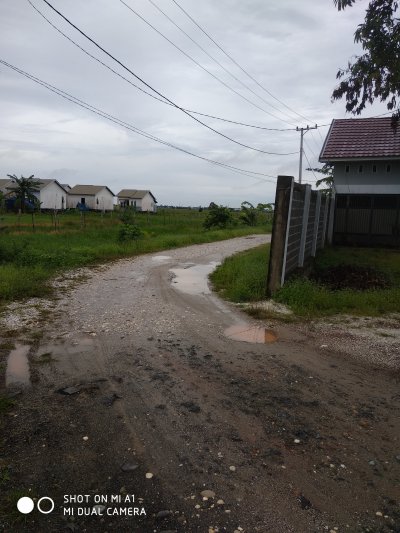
x,y
148,392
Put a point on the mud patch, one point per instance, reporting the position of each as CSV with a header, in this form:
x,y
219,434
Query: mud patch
x,y
254,334
17,371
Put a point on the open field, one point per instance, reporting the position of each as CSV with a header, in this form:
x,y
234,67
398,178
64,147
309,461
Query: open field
x,y
31,255
242,278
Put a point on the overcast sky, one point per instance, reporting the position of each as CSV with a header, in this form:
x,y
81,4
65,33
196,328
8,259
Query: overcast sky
x,y
292,49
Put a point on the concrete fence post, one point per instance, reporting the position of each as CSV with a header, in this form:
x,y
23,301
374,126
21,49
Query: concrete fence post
x,y
303,238
281,222
316,224
324,229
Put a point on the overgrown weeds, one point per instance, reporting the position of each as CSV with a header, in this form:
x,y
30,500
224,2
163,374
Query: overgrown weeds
x,y
28,260
242,278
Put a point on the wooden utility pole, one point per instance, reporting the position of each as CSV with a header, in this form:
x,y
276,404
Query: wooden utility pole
x,y
302,132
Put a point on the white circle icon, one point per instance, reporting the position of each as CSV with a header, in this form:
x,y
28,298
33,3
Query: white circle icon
x,y
25,505
51,504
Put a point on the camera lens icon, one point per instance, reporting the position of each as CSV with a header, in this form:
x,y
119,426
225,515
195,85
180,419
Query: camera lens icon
x,y
45,505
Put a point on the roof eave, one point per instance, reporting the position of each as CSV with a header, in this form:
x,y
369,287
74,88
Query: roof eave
x,y
368,158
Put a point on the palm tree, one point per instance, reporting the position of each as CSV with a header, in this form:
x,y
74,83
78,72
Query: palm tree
x,y
24,189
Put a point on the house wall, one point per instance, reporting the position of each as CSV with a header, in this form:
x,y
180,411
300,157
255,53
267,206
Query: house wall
x,y
131,202
51,197
104,200
148,203
367,181
142,204
74,199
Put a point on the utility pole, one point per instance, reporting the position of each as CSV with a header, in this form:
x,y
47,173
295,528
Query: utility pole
x,y
302,132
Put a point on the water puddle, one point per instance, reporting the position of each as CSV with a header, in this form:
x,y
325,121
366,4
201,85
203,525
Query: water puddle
x,y
161,258
255,334
193,279
17,371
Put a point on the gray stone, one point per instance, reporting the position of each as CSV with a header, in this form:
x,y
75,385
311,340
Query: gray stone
x,y
129,467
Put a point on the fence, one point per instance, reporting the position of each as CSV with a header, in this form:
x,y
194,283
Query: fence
x,y
303,221
367,219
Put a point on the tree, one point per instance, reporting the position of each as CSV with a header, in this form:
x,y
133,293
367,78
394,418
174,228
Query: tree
x,y
248,214
24,189
327,171
217,216
376,73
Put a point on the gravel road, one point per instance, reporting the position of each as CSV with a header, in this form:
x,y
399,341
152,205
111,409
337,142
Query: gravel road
x,y
139,389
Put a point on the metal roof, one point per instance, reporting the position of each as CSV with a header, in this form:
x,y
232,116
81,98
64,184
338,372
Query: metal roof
x,y
88,190
134,194
361,138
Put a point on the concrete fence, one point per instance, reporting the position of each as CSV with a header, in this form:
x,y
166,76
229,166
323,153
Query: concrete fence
x,y
303,223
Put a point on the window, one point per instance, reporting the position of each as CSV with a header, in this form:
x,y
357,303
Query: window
x,y
360,168
347,169
388,168
374,169
83,201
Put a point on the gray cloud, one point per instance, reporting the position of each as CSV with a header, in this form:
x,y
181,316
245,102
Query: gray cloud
x,y
293,49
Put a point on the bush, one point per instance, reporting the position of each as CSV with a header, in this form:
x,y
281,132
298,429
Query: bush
x,y
129,232
218,216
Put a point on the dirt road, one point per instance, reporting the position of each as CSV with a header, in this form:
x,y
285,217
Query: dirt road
x,y
141,401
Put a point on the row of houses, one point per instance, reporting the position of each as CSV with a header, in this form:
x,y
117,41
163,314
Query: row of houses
x,y
54,195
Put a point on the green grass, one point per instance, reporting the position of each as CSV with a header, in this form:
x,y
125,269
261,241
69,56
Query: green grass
x,y
30,257
242,278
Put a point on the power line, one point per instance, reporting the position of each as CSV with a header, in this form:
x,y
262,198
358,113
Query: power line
x,y
157,92
309,165
215,60
200,65
143,90
237,64
111,118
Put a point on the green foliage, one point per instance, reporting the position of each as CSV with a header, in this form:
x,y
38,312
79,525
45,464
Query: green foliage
x,y
24,189
128,215
29,259
327,180
129,232
376,73
248,214
218,216
243,277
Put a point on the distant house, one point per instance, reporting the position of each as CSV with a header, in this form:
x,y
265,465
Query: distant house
x,y
365,154
51,195
96,197
140,200
4,184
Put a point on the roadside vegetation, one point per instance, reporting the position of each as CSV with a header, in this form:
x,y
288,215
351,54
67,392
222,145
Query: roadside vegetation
x,y
34,250
358,281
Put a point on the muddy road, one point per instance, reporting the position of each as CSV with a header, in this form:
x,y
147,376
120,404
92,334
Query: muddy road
x,y
147,413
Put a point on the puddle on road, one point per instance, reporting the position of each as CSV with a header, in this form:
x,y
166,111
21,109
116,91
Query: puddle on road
x,y
161,258
17,371
255,334
193,279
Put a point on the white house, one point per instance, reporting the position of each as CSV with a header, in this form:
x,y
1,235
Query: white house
x,y
138,199
365,154
5,183
96,197
51,195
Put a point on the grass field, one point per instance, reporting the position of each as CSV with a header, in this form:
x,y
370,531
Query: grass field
x,y
242,278
31,256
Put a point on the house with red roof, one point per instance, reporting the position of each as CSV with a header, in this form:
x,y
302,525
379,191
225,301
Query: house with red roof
x,y
365,154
